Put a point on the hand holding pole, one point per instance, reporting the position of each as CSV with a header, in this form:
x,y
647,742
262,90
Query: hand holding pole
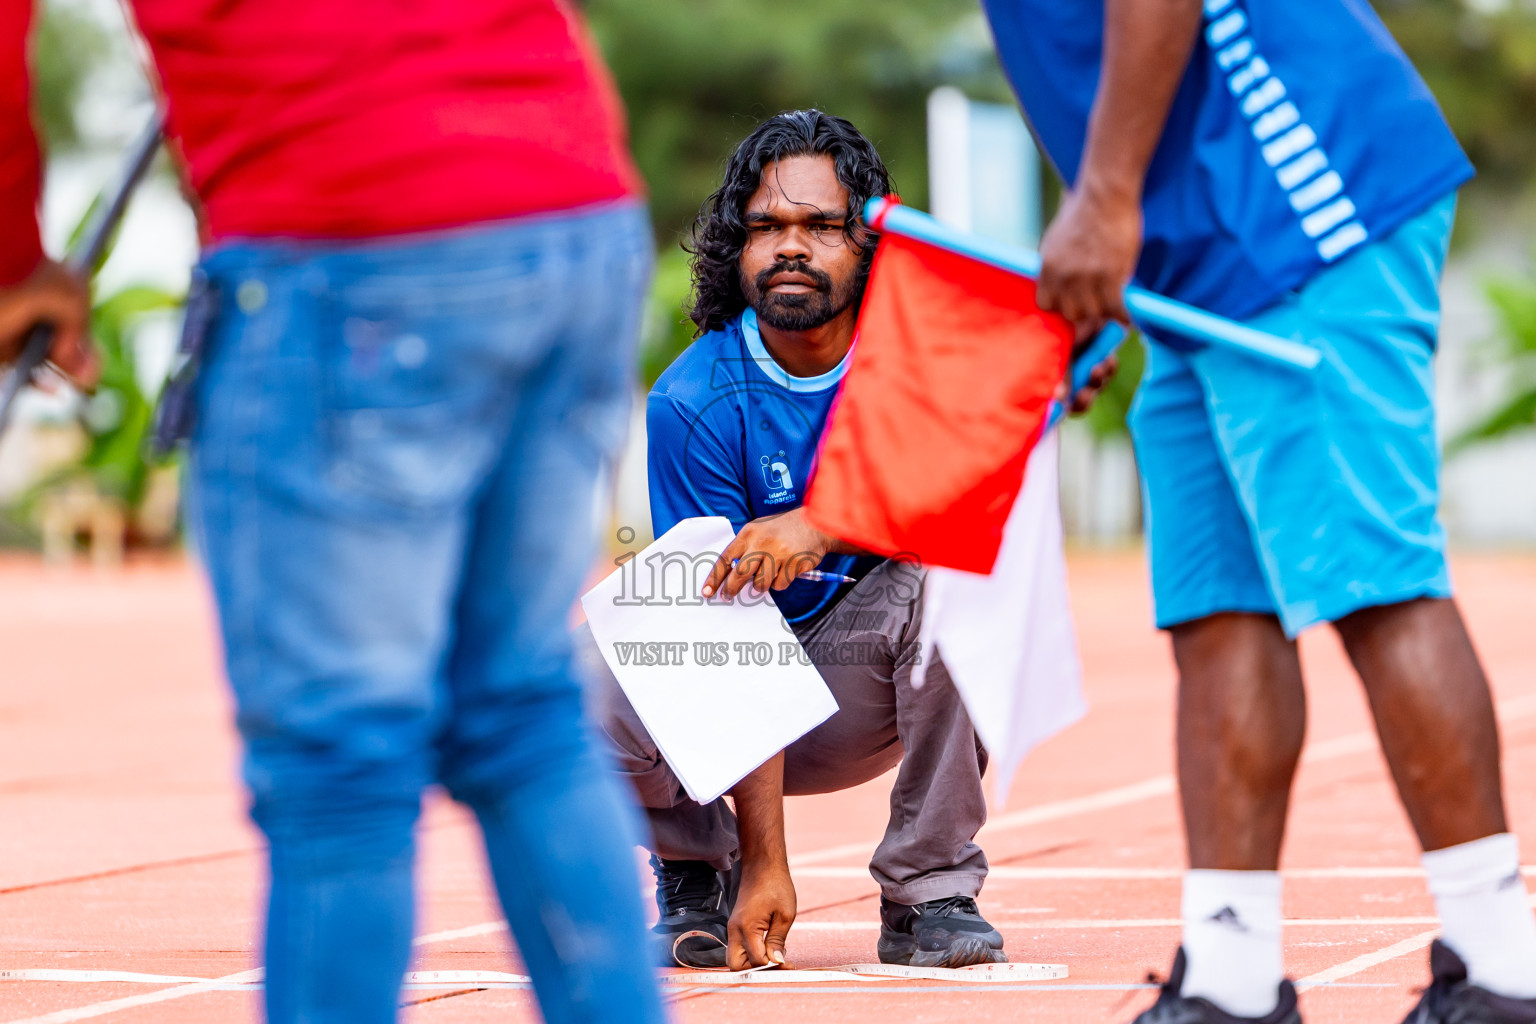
x,y
83,258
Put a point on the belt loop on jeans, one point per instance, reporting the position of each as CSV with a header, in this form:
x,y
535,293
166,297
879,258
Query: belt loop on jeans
x,y
174,412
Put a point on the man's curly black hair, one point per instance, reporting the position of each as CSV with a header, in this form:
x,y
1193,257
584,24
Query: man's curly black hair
x,y
720,234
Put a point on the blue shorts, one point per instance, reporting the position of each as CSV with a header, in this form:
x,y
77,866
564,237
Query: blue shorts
x,y
1304,495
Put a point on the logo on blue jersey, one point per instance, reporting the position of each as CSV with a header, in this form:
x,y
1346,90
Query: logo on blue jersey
x,y
780,484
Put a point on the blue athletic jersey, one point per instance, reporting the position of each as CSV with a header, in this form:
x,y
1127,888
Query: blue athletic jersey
x,y
1300,131
730,433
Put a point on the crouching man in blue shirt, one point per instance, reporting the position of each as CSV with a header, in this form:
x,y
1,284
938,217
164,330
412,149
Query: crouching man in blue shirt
x,y
780,260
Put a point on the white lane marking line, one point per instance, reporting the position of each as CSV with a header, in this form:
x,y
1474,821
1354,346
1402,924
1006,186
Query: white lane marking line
x,y
488,928
1086,923
1160,785
146,999
1381,956
1369,960
1140,874
225,983
464,978
424,978
95,977
1164,784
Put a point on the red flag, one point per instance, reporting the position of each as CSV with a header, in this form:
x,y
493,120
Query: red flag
x,y
951,381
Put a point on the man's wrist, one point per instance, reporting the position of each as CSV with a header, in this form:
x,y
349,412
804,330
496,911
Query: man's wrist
x,y
764,867
1110,189
763,857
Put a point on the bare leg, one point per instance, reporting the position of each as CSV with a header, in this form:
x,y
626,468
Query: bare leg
x,y
1434,715
1242,719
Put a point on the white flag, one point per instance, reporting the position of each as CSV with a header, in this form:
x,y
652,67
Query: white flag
x,y
1007,638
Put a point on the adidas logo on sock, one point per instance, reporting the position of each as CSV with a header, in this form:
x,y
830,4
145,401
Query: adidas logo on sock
x,y
1228,917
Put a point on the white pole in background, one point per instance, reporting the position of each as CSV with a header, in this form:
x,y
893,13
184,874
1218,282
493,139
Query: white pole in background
x,y
983,168
949,157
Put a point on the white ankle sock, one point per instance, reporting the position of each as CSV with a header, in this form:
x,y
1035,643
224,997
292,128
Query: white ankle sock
x,y
1485,914
1232,940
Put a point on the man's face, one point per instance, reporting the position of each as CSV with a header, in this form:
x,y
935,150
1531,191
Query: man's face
x,y
799,270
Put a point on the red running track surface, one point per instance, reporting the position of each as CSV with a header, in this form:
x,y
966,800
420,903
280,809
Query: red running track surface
x,y
123,843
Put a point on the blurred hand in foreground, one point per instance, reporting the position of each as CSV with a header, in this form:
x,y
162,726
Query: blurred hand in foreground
x,y
50,295
1083,398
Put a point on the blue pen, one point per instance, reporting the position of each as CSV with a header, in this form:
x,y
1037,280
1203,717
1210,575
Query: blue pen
x,y
816,575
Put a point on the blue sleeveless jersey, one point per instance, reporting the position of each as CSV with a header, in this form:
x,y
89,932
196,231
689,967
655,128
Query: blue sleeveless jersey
x,y
1300,132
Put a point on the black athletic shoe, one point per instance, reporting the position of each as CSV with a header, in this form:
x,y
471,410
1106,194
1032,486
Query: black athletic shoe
x,y
1173,1008
1451,999
939,933
692,897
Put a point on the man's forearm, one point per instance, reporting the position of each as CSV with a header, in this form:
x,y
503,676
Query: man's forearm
x,y
759,802
765,906
1147,44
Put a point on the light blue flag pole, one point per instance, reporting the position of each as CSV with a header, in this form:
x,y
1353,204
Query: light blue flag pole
x,y
1147,307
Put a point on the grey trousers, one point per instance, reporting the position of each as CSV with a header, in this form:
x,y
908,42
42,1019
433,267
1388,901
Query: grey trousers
x,y
864,648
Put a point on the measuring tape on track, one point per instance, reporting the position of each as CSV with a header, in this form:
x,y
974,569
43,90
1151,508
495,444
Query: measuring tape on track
x,y
773,974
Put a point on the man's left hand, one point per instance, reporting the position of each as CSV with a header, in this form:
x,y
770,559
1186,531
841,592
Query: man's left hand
x,y
769,553
1081,399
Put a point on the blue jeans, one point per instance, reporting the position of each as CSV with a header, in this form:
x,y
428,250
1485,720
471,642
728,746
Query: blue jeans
x,y
394,469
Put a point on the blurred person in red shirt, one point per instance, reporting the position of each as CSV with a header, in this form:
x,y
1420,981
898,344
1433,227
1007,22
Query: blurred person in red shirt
x,y
425,250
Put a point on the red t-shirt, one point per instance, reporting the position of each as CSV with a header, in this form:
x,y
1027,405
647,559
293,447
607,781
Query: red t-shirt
x,y
351,119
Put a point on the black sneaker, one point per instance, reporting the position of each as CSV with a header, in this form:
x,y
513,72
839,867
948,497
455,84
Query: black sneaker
x,y
939,933
1451,999
1172,1008
692,897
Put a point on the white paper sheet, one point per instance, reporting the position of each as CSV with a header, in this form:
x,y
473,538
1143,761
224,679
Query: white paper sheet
x,y
1007,639
721,686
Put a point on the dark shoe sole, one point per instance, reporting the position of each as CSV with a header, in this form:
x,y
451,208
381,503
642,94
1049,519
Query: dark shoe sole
x,y
963,952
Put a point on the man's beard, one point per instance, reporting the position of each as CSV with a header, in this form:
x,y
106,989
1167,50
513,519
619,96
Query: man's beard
x,y
801,311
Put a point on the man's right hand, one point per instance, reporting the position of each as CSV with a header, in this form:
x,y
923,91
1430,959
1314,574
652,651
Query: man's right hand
x,y
50,295
765,908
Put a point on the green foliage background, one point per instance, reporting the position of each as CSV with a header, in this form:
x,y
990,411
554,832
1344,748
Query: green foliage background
x,y
1479,59
1513,349
696,75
